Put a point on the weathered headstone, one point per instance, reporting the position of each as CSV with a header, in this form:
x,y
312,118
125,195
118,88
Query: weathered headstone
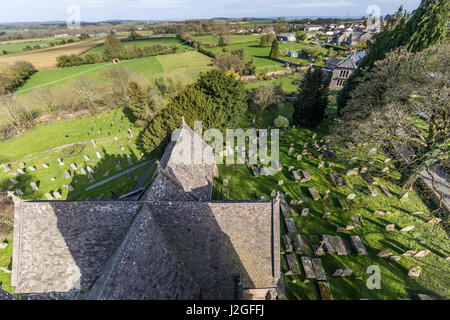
x,y
379,213
305,212
57,195
61,163
19,192
74,166
34,186
328,244
284,206
409,253
372,191
290,225
384,254
13,180
49,196
326,215
94,144
91,178
20,171
67,174
338,181
359,246
287,243
390,227
318,269
308,267
344,205
415,271
338,273
89,170
435,221
347,272
353,172
295,176
292,264
31,168
405,196
395,258
99,156
314,194
299,245
385,190
351,196
324,290
306,176
422,253
45,166
407,228
255,171
87,158
69,186
321,165
299,157
357,221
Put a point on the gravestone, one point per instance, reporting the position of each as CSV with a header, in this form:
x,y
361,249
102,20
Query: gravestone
x,y
299,245
273,194
351,196
384,254
390,227
295,176
347,272
340,246
255,171
371,191
280,182
417,213
294,268
287,243
306,176
22,165
340,229
325,291
57,195
359,246
385,190
363,169
338,273
353,172
321,165
407,228
415,271
32,168
294,212
326,215
19,192
284,206
326,239
290,225
20,171
435,221
356,221
14,181
405,196
349,228
308,267
314,194
91,178
130,162
89,170
410,253
74,166
318,269
94,144
395,258
53,178
45,166
69,186
331,165
67,174
305,212
87,158
344,205
422,253
299,157
61,163
379,213
83,171
290,168
99,156
49,196
338,181
34,186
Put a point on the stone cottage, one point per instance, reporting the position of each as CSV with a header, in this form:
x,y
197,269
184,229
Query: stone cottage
x,y
342,71
172,243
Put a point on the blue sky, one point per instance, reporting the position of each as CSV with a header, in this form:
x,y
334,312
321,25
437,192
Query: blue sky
x,y
97,10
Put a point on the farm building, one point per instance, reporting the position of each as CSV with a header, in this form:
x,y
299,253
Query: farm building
x,y
287,37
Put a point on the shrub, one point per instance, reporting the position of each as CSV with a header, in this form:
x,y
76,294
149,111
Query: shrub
x,y
281,122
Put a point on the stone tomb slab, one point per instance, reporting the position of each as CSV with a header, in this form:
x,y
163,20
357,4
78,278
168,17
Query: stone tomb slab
x,y
290,225
299,244
359,246
328,244
338,181
340,246
284,206
292,262
314,194
357,221
344,205
287,243
306,176
318,269
308,267
325,291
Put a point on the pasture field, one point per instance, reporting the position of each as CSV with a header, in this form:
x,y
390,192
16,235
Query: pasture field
x,y
207,40
183,66
149,42
19,45
286,84
46,58
395,282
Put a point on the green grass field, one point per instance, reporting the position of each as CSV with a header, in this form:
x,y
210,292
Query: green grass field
x,y
285,83
184,66
207,40
143,43
18,46
395,282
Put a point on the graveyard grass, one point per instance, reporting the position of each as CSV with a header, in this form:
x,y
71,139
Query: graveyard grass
x,y
395,282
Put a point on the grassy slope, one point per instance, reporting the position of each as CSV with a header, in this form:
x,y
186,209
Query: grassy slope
x,y
395,283
186,64
206,40
17,46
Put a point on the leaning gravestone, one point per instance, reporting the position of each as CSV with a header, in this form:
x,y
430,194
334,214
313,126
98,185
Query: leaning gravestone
x,y
305,212
89,170
87,158
325,291
14,181
19,192
384,254
287,243
356,221
314,194
290,225
130,162
20,171
353,172
338,181
70,188
34,186
99,156
308,267
294,268
299,245
306,176
94,144
359,246
67,174
61,163
255,171
73,166
318,269
49,196
45,166
32,168
415,271
57,195
91,178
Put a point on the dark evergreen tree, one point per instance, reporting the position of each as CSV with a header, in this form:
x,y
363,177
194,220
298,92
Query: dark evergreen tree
x,y
227,93
312,99
275,51
138,103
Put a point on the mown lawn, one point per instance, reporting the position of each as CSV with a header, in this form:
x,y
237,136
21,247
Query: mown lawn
x,y
207,40
285,83
395,282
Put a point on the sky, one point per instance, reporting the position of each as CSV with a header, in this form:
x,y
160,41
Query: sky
x,y
100,10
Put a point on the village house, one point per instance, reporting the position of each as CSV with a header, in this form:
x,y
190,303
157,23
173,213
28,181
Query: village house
x,y
287,37
342,69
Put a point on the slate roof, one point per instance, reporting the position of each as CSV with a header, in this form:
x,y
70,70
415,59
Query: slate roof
x,y
348,63
172,244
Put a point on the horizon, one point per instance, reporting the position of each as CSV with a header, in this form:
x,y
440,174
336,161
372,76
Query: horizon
x,y
44,11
